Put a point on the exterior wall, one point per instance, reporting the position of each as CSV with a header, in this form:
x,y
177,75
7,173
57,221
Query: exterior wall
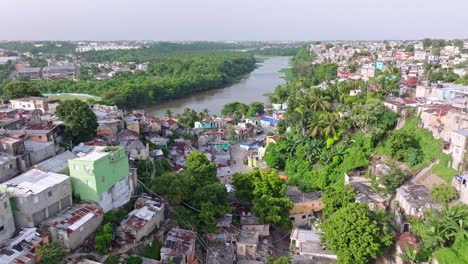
x,y
42,138
458,149
246,249
118,195
148,227
8,169
91,178
7,223
31,210
42,154
461,185
301,213
76,238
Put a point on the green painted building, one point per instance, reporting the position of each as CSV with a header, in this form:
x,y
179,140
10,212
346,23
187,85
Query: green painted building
x,y
102,175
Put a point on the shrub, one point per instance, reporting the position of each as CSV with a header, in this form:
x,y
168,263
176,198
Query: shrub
x,y
444,193
413,156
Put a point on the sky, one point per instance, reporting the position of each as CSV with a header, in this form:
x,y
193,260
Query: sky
x,y
216,20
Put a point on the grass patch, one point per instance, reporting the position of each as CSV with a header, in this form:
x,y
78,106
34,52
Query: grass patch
x,y
431,148
153,251
442,169
69,97
288,74
456,253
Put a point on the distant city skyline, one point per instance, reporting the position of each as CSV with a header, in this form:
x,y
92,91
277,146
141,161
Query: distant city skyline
x,y
221,20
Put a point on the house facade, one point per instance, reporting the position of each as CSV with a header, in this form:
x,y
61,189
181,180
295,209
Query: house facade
x,y
305,206
38,195
7,223
74,225
102,175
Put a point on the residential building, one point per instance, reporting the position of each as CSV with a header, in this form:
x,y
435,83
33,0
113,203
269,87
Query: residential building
x,y
43,132
22,249
247,245
44,104
179,247
74,224
29,73
38,195
8,166
139,223
406,241
133,145
305,206
102,175
460,182
458,148
414,199
420,55
363,188
307,242
250,223
220,249
12,123
59,72
38,151
132,124
7,223
58,163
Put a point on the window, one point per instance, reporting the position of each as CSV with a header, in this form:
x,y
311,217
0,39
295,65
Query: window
x,y
304,216
76,167
103,178
292,218
49,193
5,204
2,228
310,215
36,199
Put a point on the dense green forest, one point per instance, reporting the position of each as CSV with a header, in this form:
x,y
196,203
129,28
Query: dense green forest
x,y
169,76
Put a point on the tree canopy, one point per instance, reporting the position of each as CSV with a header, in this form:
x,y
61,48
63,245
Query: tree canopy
x,y
80,121
355,234
20,89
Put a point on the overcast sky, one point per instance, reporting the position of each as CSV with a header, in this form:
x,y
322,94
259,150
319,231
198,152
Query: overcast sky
x,y
232,19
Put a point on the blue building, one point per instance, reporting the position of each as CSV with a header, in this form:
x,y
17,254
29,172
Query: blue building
x,y
379,65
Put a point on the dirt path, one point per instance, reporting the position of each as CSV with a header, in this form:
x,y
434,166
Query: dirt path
x,y
427,178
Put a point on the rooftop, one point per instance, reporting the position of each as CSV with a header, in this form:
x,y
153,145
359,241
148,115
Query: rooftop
x,y
41,128
92,153
305,235
18,249
73,217
146,208
314,248
57,163
416,195
29,70
248,237
33,182
179,242
298,196
220,249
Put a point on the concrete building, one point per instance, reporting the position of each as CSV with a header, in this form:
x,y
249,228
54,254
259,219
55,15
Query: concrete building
x,y
179,247
460,182
133,145
307,242
40,151
7,223
74,225
306,206
8,166
58,163
139,223
44,104
38,195
102,175
43,132
247,244
59,72
23,247
414,199
251,223
221,249
29,73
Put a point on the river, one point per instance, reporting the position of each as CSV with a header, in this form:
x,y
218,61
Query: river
x,y
263,79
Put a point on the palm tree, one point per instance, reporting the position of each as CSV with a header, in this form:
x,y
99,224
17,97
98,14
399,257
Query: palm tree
x,y
318,101
328,123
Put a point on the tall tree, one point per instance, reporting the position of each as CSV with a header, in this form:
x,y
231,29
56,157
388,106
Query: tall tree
x,y
20,89
80,121
270,202
354,235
